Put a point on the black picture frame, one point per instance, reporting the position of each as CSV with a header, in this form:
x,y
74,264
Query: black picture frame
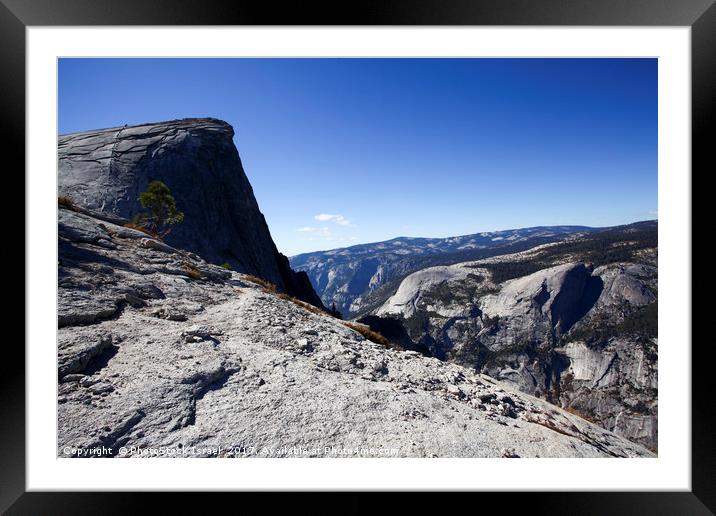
x,y
700,15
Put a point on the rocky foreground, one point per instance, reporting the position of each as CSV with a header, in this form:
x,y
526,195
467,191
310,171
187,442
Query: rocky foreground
x,y
160,351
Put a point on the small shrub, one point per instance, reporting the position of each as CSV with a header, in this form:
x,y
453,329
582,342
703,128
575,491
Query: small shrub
x,y
369,334
66,202
162,212
192,271
227,266
268,287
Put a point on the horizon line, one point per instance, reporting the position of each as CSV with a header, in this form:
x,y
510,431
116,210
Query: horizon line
x,y
471,234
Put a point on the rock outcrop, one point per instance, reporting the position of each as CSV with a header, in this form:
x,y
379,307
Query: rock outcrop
x,y
162,353
105,170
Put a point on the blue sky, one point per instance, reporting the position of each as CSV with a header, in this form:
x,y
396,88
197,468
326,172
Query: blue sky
x,y
347,151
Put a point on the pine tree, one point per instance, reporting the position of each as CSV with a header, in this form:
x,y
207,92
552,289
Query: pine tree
x,y
161,209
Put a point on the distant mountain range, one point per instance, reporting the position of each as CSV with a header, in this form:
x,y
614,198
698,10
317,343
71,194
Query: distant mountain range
x,y
360,277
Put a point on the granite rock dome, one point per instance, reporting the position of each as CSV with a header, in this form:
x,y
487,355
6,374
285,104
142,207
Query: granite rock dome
x,y
105,170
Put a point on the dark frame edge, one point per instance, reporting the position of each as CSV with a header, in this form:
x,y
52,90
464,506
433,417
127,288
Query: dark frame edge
x,y
702,499
703,109
12,136
366,12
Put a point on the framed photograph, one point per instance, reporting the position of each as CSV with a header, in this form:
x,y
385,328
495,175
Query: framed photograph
x,y
398,247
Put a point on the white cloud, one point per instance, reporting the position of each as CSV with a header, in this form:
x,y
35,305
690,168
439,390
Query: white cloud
x,y
337,218
324,231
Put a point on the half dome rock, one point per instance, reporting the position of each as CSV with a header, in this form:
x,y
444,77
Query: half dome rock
x,y
105,170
